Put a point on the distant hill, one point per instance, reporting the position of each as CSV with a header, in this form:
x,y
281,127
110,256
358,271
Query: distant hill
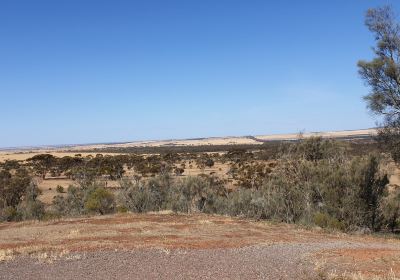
x,y
228,140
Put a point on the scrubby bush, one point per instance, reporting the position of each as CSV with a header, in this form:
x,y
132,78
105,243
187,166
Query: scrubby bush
x,y
238,202
189,195
31,207
138,197
250,174
141,197
122,209
192,194
83,199
317,148
326,221
100,201
369,185
9,214
390,207
31,210
348,191
72,204
60,189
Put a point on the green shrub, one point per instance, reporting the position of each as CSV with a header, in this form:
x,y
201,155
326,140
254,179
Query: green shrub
x,y
324,220
122,209
193,194
30,207
72,204
100,201
85,198
390,206
239,202
287,195
138,197
32,210
51,215
60,189
10,214
60,205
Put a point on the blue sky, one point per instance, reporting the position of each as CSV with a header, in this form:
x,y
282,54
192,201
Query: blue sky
x,y
84,71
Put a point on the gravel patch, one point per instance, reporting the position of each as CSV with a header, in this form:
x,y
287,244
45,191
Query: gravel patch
x,y
277,261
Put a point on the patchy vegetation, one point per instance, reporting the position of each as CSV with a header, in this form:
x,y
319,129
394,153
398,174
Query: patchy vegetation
x,y
312,181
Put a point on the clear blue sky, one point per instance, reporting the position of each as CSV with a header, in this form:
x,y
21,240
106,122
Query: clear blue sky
x,y
80,71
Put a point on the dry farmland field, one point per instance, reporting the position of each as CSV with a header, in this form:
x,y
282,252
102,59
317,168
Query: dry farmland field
x,y
315,206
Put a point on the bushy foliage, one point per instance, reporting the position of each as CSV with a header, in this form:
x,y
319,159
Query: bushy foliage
x,y
60,189
389,138
315,182
84,199
42,163
13,186
192,194
18,196
390,207
324,220
31,207
249,174
138,196
346,190
72,204
100,201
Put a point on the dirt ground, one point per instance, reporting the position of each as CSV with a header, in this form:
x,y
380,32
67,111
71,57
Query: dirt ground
x,y
197,246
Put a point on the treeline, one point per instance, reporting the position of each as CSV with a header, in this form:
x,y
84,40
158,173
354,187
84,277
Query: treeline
x,y
269,148
112,167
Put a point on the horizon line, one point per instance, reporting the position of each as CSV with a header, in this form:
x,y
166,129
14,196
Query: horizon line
x,y
55,146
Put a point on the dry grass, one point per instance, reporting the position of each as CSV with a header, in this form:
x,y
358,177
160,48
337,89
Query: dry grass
x,y
163,230
359,263
357,276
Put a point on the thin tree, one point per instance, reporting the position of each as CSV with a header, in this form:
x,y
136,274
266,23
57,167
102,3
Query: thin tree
x,y
382,75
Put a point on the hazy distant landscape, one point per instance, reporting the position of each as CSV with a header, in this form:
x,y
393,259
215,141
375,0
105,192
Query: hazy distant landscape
x,y
229,140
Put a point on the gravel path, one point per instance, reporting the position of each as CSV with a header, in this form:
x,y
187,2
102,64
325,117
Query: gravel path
x,y
278,261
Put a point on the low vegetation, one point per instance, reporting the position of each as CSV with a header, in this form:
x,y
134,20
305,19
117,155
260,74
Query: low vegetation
x,y
312,181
